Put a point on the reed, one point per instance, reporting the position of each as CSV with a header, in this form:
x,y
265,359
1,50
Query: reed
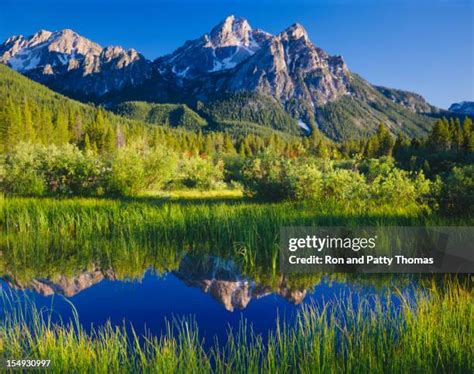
x,y
427,332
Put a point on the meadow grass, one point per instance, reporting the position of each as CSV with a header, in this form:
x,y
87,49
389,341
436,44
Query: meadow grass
x,y
431,332
428,332
198,223
70,234
192,194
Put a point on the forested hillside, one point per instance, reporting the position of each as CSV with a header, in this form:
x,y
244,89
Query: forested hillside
x,y
174,115
30,112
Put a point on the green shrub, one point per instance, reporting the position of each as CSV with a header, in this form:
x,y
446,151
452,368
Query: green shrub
x,y
268,177
21,172
69,171
271,178
127,175
138,167
34,170
457,193
201,173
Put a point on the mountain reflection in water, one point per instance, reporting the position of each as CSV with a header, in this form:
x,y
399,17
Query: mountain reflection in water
x,y
101,295
215,276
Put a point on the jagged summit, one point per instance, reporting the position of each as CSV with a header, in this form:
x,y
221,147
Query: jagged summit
x,y
315,88
45,48
231,32
66,60
463,108
295,32
224,47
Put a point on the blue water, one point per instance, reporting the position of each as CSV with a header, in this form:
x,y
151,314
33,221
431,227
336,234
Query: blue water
x,y
148,303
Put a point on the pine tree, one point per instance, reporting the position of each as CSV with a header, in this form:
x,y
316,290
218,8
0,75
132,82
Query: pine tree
x,y
469,143
372,147
467,133
61,129
16,132
12,128
29,130
385,141
87,143
45,129
97,130
77,130
456,134
208,146
228,145
439,138
110,140
322,150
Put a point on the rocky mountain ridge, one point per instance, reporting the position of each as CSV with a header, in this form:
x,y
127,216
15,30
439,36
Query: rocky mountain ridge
x,y
68,62
316,89
463,108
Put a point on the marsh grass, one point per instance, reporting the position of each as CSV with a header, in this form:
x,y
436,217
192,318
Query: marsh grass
x,y
431,331
428,332
133,234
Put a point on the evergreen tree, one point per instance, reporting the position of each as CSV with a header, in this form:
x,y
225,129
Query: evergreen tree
x,y
322,150
372,147
77,130
385,141
228,145
45,129
468,130
208,146
61,129
12,127
439,138
456,134
87,143
29,130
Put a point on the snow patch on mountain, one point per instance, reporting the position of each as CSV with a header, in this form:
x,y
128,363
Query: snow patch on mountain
x,y
227,45
303,125
464,107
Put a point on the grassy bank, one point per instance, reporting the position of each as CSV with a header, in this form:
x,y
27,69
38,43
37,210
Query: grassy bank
x,y
158,231
430,332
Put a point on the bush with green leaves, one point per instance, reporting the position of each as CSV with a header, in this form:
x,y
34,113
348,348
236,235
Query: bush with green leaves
x,y
457,192
389,185
200,172
378,183
138,167
268,177
21,172
34,170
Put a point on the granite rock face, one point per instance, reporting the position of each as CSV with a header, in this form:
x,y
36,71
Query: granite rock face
x,y
464,108
412,101
68,62
289,66
227,45
232,57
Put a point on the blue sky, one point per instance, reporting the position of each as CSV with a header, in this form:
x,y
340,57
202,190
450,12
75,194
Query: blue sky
x,y
425,46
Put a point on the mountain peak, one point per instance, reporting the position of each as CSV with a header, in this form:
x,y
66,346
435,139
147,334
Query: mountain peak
x,y
229,43
39,37
295,32
231,31
464,108
42,32
67,33
48,55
